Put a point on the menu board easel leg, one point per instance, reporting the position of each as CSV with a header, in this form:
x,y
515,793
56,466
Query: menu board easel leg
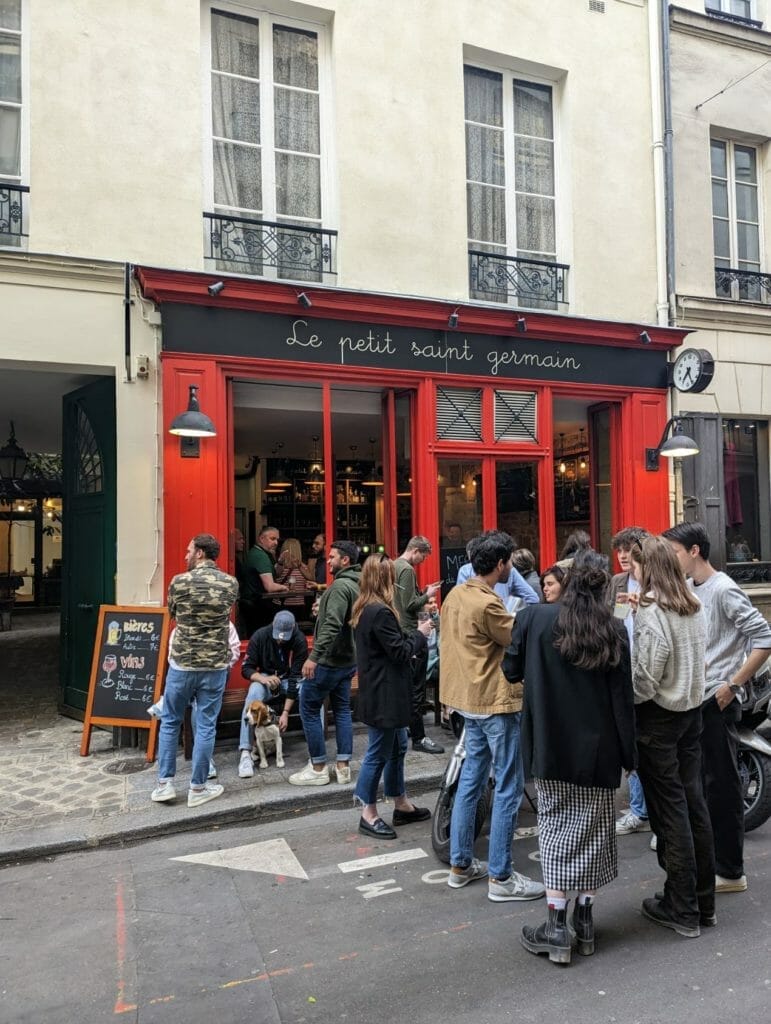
x,y
85,741
152,741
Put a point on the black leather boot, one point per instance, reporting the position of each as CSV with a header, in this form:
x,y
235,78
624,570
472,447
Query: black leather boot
x,y
583,926
552,937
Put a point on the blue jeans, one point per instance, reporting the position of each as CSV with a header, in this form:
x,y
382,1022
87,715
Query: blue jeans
x,y
183,686
384,756
636,796
256,691
493,740
334,683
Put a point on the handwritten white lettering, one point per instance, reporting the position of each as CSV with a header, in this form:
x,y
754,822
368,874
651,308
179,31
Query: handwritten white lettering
x,y
513,357
372,345
436,350
312,341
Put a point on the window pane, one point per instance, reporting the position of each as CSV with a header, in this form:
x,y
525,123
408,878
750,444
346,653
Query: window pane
x,y
484,96
745,164
459,486
743,8
298,190
748,242
721,236
534,166
719,199
295,58
747,202
741,473
10,68
516,502
297,120
235,108
486,214
718,159
10,141
532,110
235,44
484,155
535,224
237,176
10,14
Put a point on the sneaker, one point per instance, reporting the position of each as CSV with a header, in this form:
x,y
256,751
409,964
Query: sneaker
x,y
462,876
245,765
654,842
200,796
164,791
212,770
309,777
657,912
515,887
343,775
730,884
428,746
629,823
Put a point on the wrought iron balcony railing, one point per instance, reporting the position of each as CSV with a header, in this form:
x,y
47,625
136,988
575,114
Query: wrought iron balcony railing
x,y
736,19
538,284
732,283
13,219
749,572
248,246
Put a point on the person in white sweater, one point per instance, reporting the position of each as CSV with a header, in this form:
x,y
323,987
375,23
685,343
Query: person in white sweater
x,y
668,673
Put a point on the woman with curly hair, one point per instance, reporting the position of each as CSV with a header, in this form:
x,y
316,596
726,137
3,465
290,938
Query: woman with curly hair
x,y
577,735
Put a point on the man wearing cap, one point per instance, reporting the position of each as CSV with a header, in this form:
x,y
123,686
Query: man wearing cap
x,y
273,664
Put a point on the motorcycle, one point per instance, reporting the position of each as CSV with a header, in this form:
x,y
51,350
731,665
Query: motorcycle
x,y
754,754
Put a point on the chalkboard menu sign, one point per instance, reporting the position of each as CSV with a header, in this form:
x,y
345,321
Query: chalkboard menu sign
x,y
127,669
450,560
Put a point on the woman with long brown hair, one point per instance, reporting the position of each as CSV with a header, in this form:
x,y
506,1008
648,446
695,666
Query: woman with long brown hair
x,y
668,673
292,571
383,655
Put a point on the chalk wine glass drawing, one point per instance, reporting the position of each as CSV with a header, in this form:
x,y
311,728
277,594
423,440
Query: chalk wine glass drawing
x,y
109,665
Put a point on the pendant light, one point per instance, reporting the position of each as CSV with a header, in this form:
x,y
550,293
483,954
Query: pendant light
x,y
373,478
562,467
316,476
279,478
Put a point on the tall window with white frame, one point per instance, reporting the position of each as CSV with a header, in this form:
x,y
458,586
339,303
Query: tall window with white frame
x,y
736,222
511,190
267,177
13,192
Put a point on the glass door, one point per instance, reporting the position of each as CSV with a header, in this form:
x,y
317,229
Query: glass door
x,y
516,503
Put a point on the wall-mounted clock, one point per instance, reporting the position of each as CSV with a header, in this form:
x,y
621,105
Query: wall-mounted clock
x,y
692,371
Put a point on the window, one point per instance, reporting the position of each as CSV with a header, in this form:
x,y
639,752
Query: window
x,y
12,125
736,222
745,477
511,189
267,180
739,9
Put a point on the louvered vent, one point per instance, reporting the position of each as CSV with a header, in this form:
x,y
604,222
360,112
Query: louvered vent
x,y
458,414
598,6
515,413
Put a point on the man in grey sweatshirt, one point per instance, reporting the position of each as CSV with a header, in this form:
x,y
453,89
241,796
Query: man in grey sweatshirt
x,y
738,643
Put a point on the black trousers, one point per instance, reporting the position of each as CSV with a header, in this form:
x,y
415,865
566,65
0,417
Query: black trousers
x,y
723,786
669,753
419,668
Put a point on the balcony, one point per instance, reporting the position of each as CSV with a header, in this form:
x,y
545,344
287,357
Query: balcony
x,y
264,248
532,284
14,204
745,285
735,19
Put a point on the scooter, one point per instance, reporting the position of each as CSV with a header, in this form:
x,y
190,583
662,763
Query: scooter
x,y
440,825
754,755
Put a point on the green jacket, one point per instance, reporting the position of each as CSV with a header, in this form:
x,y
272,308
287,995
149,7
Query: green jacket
x,y
333,644
408,600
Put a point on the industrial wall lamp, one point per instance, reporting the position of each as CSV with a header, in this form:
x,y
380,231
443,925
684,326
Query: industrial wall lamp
x,y
678,446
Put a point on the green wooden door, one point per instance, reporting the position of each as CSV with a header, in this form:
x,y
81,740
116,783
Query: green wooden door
x,y
89,534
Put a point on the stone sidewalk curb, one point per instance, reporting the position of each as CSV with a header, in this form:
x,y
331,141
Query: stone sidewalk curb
x,y
283,801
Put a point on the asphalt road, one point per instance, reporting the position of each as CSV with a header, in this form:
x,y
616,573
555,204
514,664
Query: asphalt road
x,y
293,922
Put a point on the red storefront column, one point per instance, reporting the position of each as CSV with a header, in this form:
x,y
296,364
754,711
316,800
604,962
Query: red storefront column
x,y
644,495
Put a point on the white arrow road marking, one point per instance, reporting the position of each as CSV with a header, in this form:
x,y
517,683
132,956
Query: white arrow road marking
x,y
272,857
364,863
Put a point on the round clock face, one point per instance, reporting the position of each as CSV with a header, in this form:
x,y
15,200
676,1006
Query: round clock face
x,y
692,370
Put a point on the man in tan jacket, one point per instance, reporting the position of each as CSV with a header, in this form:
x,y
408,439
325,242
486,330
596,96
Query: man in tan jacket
x,y
475,632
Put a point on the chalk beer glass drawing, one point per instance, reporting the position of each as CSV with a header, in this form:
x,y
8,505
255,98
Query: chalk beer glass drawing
x,y
114,633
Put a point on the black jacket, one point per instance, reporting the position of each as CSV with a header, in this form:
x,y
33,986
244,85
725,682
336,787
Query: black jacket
x,y
383,655
264,654
577,724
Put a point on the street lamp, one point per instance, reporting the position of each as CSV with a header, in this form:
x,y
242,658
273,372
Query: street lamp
x,y
13,459
678,446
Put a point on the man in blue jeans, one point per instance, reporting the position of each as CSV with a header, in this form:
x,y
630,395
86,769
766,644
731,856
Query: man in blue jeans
x,y
200,601
475,632
329,669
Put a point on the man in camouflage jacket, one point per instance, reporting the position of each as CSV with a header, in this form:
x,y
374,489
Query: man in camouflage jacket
x,y
200,601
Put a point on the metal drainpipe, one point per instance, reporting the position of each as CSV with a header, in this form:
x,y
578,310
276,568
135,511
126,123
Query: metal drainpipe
x,y
657,154
669,179
127,319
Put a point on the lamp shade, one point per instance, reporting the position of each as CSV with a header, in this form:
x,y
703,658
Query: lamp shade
x,y
192,422
679,446
13,459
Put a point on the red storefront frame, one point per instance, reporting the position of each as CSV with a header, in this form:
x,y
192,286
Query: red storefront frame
x,y
194,487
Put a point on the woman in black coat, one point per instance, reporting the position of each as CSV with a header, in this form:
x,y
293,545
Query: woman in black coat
x,y
383,655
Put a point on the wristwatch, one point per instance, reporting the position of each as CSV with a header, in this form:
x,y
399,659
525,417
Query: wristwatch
x,y
735,688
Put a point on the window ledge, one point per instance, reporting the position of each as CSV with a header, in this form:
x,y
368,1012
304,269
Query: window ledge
x,y
701,309
746,35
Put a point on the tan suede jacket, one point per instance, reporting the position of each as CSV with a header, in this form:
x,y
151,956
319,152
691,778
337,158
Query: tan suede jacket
x,y
475,631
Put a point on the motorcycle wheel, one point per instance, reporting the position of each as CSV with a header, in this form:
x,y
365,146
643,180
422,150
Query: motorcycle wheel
x,y
440,823
755,772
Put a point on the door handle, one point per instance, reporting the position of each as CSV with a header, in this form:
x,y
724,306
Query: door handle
x,y
86,607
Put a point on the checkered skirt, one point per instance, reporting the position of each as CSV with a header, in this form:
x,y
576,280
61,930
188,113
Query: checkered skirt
x,y
576,835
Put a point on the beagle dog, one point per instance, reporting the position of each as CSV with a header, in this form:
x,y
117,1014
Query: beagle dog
x,y
267,736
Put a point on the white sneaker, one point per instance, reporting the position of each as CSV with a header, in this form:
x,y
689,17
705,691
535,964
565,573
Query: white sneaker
x,y
163,792
629,823
654,842
343,775
200,796
515,887
212,770
309,777
245,765
730,884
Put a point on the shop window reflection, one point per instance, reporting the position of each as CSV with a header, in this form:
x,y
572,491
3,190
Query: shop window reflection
x,y
459,485
745,477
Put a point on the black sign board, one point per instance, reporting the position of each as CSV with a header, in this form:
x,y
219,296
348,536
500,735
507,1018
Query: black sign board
x,y
450,560
127,669
236,332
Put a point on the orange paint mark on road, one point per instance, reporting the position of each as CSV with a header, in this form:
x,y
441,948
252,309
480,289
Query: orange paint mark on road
x,y
309,966
348,956
124,1007
244,981
280,878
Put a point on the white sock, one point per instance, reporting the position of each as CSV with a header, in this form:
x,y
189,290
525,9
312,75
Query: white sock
x,y
585,899
556,903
